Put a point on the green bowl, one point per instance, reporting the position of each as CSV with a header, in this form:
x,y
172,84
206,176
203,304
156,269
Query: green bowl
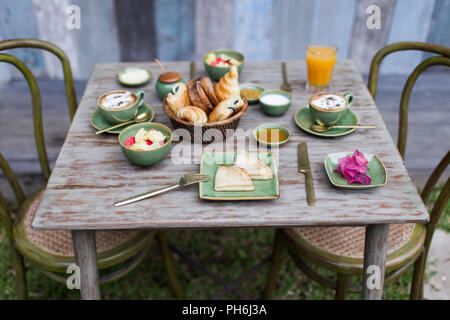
x,y
271,126
252,86
218,72
145,158
274,110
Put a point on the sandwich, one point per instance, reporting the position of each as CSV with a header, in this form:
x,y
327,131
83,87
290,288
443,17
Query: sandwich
x,y
255,168
232,178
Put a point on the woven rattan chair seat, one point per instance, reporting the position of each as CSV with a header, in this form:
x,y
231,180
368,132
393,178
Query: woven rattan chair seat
x,y
59,242
349,241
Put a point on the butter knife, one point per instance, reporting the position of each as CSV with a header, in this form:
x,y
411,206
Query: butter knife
x,y
305,168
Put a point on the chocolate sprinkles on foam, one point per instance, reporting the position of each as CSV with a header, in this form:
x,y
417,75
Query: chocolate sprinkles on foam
x,y
329,102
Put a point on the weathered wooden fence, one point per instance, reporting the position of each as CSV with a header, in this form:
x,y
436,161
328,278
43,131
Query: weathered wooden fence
x,y
138,30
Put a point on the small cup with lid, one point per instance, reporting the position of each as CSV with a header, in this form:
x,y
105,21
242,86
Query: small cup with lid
x,y
166,81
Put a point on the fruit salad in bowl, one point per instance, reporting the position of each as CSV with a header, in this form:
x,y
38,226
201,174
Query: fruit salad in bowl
x,y
146,143
146,140
219,62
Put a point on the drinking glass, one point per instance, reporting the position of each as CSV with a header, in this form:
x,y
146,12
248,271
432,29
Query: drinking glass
x,y
320,60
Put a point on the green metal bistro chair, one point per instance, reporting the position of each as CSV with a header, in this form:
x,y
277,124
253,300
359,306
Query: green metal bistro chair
x,y
341,249
119,252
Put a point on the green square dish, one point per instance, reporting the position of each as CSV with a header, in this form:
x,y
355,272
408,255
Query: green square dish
x,y
264,189
375,170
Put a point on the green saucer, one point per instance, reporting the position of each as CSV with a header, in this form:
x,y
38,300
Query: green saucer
x,y
99,123
264,189
132,83
303,120
375,169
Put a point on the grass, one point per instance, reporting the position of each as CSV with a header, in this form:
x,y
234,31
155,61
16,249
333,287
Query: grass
x,y
228,253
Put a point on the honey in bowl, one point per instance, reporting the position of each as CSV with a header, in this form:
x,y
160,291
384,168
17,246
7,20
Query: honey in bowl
x,y
250,93
271,135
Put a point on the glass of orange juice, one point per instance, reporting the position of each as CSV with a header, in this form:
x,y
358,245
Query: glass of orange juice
x,y
320,60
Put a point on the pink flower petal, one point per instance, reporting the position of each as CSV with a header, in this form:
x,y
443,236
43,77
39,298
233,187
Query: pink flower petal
x,y
354,167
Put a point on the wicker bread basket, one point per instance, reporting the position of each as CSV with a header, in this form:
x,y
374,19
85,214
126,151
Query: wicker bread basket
x,y
201,132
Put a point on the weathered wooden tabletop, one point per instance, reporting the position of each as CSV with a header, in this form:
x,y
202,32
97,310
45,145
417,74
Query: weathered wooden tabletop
x,y
91,172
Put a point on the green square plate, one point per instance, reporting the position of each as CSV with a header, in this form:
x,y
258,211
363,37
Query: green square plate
x,y
264,189
375,170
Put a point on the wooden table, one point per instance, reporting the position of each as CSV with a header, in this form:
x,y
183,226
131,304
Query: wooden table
x,y
91,173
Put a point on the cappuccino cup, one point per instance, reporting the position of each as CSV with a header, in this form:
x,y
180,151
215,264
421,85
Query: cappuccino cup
x,y
327,108
120,106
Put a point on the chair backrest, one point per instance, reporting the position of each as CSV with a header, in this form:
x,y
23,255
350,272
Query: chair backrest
x,y
37,113
442,58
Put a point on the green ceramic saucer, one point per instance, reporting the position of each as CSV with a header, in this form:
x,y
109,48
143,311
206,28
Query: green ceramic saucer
x,y
252,86
375,170
131,82
99,123
264,189
303,120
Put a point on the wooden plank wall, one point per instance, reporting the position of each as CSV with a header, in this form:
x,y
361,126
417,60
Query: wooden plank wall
x,y
292,28
334,24
174,21
414,23
17,20
253,26
96,41
137,30
368,41
51,24
214,25
440,26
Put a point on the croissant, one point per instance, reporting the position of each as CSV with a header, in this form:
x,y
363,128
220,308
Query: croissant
x,y
225,109
228,85
178,98
192,114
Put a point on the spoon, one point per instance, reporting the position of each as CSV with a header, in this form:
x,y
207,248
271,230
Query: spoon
x,y
139,118
321,128
160,65
285,86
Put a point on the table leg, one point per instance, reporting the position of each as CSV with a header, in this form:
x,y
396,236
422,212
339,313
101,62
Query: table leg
x,y
86,257
374,260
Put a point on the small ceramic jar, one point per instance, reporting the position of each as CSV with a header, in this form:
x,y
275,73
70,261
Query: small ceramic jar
x,y
166,82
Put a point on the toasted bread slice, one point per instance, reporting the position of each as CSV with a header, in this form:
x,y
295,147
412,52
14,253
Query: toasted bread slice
x,y
256,168
208,86
232,178
203,97
193,95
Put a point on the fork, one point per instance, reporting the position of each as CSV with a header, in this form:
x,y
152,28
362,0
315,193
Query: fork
x,y
185,180
285,86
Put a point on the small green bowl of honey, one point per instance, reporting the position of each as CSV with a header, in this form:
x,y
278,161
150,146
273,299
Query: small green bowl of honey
x,y
271,135
251,92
